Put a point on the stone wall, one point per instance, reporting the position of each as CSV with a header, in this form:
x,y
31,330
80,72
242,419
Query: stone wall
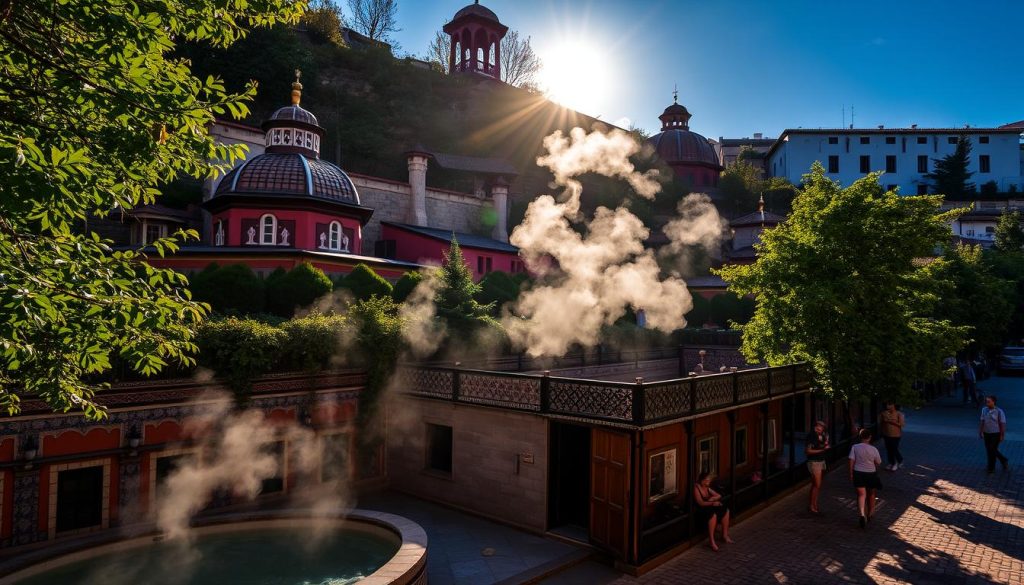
x,y
392,201
490,474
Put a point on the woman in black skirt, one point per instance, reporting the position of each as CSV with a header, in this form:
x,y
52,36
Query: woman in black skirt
x,y
864,462
709,508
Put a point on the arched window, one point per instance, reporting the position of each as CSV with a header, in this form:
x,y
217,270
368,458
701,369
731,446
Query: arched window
x,y
335,241
268,230
220,235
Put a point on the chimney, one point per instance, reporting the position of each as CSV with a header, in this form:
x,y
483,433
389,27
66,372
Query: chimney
x,y
758,136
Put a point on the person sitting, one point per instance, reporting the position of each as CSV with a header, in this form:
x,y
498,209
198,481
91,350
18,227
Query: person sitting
x,y
709,508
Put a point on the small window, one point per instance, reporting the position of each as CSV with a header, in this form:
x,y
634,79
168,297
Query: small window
x,y
951,140
773,432
922,163
865,140
984,164
268,230
439,448
865,163
890,163
983,140
154,231
483,264
969,233
833,140
275,483
167,465
335,239
833,164
385,249
707,455
922,189
989,230
922,140
890,140
740,449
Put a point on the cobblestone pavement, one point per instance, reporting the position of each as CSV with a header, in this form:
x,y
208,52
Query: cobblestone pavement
x,y
940,520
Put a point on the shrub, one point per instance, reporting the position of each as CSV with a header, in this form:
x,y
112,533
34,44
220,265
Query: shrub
x,y
497,288
364,283
298,288
231,288
239,350
405,285
312,342
989,188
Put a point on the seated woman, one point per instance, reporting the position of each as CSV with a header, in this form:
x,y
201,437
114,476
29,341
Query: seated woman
x,y
709,508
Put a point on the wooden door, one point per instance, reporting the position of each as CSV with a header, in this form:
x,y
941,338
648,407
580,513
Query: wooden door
x,y
609,490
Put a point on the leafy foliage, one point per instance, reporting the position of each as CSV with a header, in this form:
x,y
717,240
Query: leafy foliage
x,y
727,308
94,116
364,283
298,288
405,285
1009,234
974,298
700,313
456,299
234,288
950,176
841,285
323,20
313,342
1009,266
496,289
379,343
239,350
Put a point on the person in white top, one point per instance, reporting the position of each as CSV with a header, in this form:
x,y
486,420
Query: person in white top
x,y
993,431
864,462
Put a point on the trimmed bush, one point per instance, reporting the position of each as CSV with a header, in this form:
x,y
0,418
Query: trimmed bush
x,y
239,350
298,288
234,288
312,342
498,288
405,285
727,307
364,283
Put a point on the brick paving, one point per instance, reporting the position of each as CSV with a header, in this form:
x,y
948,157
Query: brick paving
x,y
940,520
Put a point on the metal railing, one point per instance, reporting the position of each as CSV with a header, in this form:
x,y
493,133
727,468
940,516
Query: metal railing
x,y
636,404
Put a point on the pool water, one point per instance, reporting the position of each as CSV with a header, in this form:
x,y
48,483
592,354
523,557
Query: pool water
x,y
235,555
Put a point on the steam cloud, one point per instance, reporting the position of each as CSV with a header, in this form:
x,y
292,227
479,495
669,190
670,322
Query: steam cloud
x,y
595,276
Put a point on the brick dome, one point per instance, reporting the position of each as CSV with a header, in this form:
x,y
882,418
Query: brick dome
x,y
290,175
476,9
677,145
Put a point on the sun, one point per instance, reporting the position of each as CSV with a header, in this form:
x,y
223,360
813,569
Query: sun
x,y
575,74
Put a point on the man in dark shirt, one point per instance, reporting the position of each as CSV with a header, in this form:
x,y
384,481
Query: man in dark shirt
x,y
817,446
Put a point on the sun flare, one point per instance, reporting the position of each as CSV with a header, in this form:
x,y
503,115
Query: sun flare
x,y
575,74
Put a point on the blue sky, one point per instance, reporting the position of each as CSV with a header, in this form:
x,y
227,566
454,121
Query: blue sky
x,y
761,66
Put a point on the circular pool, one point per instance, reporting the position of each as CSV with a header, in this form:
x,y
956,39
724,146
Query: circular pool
x,y
275,551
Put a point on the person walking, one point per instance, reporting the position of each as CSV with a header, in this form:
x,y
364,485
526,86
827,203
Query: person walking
x,y
815,449
864,462
969,380
993,431
891,423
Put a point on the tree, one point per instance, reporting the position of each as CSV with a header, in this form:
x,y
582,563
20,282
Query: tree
x,y
740,187
94,116
841,285
323,20
974,297
234,288
1009,235
700,313
456,298
439,51
376,19
950,176
519,64
364,283
300,287
496,289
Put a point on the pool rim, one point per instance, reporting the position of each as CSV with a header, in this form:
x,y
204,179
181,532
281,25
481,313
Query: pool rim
x,y
407,566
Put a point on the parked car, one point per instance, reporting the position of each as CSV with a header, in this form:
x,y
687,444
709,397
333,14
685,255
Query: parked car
x,y
1011,359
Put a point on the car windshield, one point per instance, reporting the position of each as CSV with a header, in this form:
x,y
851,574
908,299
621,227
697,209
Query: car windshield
x,y
1014,351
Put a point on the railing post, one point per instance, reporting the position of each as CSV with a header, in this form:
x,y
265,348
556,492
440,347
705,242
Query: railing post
x,y
545,391
639,402
456,382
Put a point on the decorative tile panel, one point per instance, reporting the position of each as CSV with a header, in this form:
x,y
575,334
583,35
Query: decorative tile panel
x,y
509,391
593,399
664,401
713,392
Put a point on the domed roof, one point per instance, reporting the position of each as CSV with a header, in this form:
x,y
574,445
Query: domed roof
x,y
678,145
289,175
676,109
476,9
294,113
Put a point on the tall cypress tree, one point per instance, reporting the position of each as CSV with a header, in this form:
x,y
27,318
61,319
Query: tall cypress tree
x,y
950,176
456,302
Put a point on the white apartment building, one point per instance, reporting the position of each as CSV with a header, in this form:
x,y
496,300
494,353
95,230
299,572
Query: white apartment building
x,y
904,154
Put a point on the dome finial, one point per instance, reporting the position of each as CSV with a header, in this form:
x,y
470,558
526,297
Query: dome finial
x,y
675,93
297,89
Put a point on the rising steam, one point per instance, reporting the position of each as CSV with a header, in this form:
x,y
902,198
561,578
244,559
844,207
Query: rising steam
x,y
597,275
